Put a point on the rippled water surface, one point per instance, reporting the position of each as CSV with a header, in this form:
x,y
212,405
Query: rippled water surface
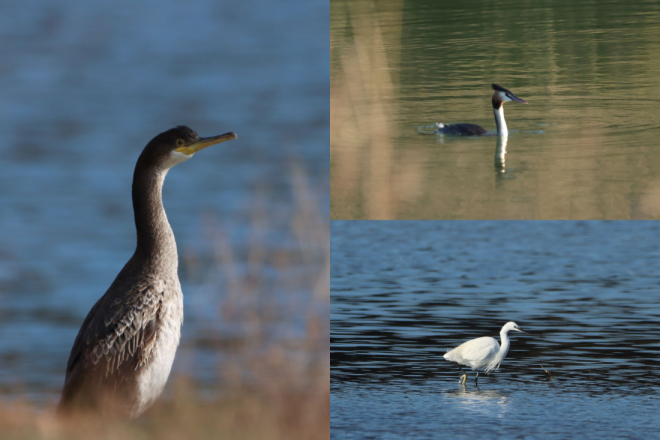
x,y
85,85
405,292
584,148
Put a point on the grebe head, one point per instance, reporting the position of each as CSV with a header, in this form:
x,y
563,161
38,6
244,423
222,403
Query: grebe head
x,y
502,95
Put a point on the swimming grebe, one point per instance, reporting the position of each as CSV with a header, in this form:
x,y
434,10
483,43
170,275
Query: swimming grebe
x,y
500,96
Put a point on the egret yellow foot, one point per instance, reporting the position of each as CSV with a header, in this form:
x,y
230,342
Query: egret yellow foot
x,y
463,379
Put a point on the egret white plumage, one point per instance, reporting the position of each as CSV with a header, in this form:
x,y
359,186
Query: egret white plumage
x,y
483,352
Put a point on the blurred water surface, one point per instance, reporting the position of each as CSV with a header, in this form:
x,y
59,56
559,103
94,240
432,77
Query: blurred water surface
x,y
84,87
584,148
403,292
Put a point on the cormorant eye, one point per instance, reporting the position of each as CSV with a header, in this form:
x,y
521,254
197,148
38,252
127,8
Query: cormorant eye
x,y
179,143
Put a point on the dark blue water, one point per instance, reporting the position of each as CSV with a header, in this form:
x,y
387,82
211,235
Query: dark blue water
x,y
85,85
405,292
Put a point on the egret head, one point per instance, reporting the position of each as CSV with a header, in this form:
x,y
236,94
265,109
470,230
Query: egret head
x,y
511,326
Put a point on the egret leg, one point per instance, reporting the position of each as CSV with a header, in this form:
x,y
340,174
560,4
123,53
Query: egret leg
x,y
463,378
475,379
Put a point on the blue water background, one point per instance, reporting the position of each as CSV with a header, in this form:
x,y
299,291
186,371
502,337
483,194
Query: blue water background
x,y
85,85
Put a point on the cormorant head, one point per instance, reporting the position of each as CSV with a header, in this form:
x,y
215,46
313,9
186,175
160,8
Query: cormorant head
x,y
177,145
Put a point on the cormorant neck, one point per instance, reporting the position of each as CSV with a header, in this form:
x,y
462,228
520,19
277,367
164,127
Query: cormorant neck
x,y
499,120
154,234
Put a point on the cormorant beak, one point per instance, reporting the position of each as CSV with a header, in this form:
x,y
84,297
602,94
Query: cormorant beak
x,y
206,142
514,98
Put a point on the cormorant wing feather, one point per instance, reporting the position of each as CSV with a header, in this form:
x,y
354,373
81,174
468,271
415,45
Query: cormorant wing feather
x,y
115,336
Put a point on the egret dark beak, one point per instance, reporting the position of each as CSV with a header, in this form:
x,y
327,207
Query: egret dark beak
x,y
206,142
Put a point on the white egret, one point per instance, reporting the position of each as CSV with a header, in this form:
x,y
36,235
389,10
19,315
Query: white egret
x,y
482,352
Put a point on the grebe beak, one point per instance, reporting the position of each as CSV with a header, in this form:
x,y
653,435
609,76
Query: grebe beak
x,y
514,98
